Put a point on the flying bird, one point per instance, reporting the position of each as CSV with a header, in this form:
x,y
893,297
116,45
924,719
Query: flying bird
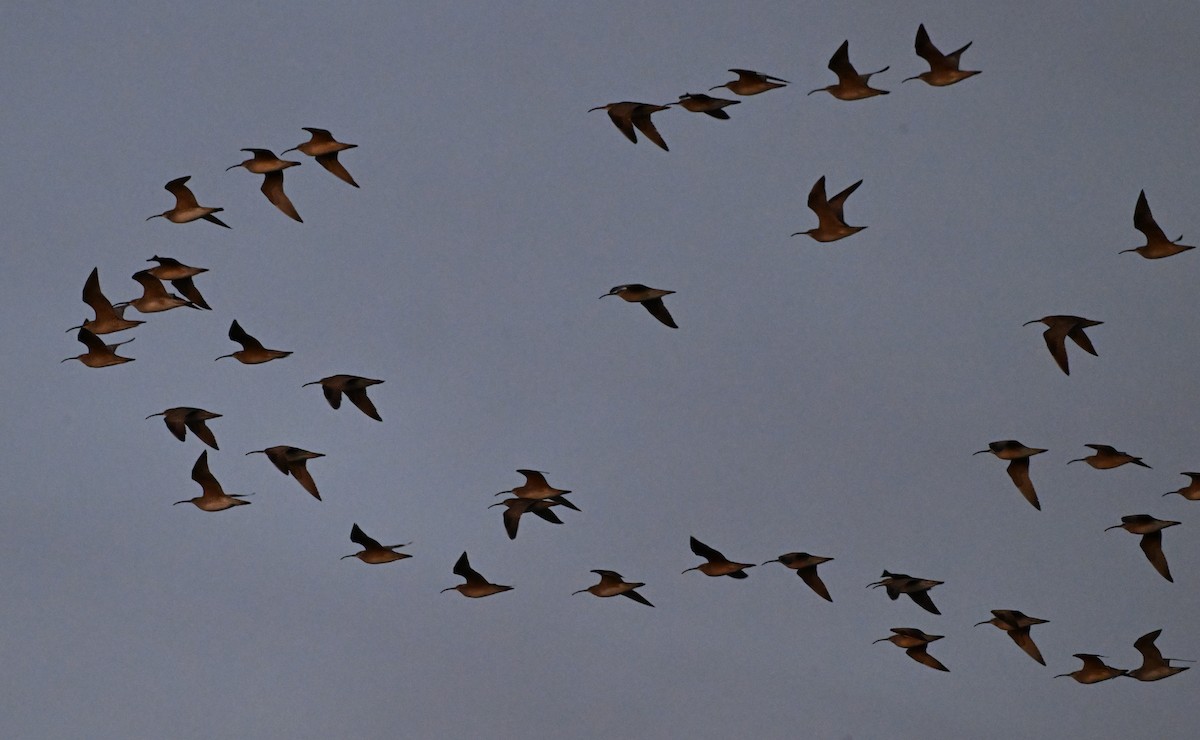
x,y
476,586
1157,244
916,588
99,354
1016,625
373,552
915,643
1061,327
324,148
293,461
943,68
750,82
109,318
252,351
212,497
831,221
180,277
182,418
1107,457
1094,670
805,566
701,103
354,387
1191,491
649,297
627,114
850,85
718,564
515,507
1154,666
1018,467
612,584
186,208
154,296
265,163
1151,531
536,487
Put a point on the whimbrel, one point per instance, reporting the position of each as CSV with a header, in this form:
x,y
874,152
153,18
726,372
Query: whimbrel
x,y
850,85
1094,670
1107,457
1016,625
99,354
701,103
180,276
915,643
373,552
354,387
612,584
1192,490
154,296
265,163
476,586
943,68
186,208
182,418
649,297
1154,666
536,487
1157,244
805,566
718,564
212,497
831,222
1151,531
916,588
252,351
750,82
324,148
1018,467
109,318
515,507
1059,328
293,461
627,114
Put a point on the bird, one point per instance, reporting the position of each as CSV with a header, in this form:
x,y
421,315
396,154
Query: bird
x,y
1018,467
536,487
109,318
212,497
850,85
373,552
1016,625
154,296
252,351
515,507
1107,457
612,584
750,82
1094,670
99,354
265,163
805,566
354,387
182,418
1191,491
1154,666
916,588
1151,531
718,564
324,148
180,276
1157,244
831,222
186,209
1059,328
293,461
628,114
649,297
943,68
476,586
915,643
701,103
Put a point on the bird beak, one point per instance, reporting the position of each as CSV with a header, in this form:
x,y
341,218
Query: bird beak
x,y
1081,459
1027,323
293,149
906,79
986,621
348,556
578,592
980,452
230,167
444,590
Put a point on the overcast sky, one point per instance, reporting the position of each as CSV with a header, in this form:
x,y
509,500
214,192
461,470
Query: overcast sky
x,y
815,397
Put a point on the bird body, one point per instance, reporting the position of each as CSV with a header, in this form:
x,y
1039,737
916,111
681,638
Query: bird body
x,y
264,162
536,488
850,85
186,208
627,115
943,68
805,566
182,418
718,564
355,388
154,296
701,103
1154,666
650,298
324,148
1094,670
1016,625
1060,327
109,318
99,354
515,507
1107,457
1151,531
180,276
374,553
293,461
831,221
916,645
252,351
612,584
1157,244
212,497
916,588
476,586
1191,491
1018,467
750,82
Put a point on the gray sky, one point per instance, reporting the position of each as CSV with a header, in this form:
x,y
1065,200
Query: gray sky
x,y
818,397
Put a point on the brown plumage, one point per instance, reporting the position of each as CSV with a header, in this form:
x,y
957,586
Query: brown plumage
x,y
212,496
916,588
180,276
650,298
1157,244
1191,491
373,552
265,163
1154,666
943,68
1094,670
805,566
293,461
627,115
99,354
1151,531
186,208
536,487
252,351
182,418
1107,457
850,85
915,643
1016,625
612,584
324,148
718,564
1018,466
701,103
476,586
515,507
831,221
355,388
1059,328
109,318
750,82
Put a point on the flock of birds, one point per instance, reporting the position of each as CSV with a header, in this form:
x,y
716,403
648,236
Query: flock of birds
x,y
536,496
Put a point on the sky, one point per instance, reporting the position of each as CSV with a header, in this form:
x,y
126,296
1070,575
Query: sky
x,y
816,397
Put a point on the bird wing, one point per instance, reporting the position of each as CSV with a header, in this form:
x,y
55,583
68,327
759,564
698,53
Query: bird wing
x,y
623,119
923,601
1076,334
838,202
463,569
202,475
358,396
239,335
183,195
272,187
200,428
810,577
840,64
1152,546
1151,656
636,597
545,513
1018,470
332,395
176,423
330,162
189,291
1025,642
1144,221
641,119
659,311
299,471
95,298
1055,337
360,537
534,478
91,341
705,551
926,50
919,654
